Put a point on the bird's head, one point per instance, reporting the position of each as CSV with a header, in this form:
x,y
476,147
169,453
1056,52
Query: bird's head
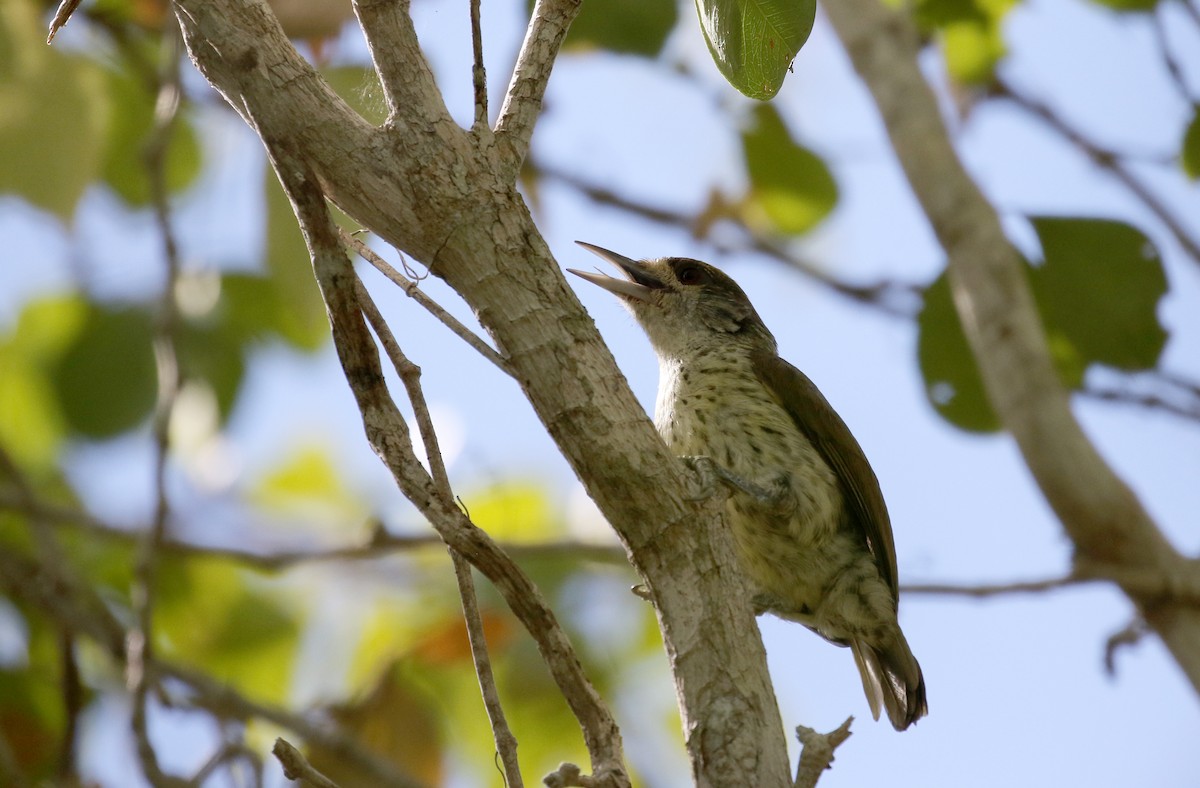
x,y
684,305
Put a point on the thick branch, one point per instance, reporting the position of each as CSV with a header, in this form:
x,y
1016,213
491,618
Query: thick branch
x,y
1101,514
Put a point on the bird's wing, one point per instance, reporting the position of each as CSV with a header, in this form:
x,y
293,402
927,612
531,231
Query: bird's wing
x,y
821,424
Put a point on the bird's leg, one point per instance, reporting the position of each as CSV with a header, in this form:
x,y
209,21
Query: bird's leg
x,y
710,473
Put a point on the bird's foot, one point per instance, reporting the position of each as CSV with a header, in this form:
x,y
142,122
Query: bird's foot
x,y
704,483
709,474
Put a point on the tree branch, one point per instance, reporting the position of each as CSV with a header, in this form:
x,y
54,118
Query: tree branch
x,y
442,198
816,752
408,83
413,291
478,74
1100,513
1105,160
410,376
297,767
523,101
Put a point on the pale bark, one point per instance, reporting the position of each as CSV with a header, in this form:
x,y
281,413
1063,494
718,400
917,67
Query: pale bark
x,y
1100,513
448,198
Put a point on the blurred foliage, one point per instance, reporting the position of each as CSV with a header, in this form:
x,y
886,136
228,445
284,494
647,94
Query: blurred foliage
x,y
634,27
791,188
1097,287
969,32
1189,155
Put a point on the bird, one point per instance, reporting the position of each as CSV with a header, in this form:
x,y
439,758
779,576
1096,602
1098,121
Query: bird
x,y
808,519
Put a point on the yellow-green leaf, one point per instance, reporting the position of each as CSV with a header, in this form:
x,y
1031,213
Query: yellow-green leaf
x,y
791,189
55,113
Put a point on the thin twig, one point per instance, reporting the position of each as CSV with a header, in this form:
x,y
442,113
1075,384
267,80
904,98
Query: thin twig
x,y
404,73
65,9
984,590
413,291
897,299
410,376
1174,69
1189,410
229,753
478,73
380,545
523,100
139,642
1148,583
297,767
1192,11
73,702
816,752
1106,160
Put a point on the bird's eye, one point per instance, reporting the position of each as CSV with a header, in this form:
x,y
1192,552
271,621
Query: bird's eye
x,y
690,275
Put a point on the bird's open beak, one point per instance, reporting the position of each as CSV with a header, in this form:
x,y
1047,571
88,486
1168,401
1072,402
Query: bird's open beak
x,y
639,285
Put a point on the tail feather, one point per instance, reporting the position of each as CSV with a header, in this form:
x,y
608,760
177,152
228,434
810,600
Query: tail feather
x,y
892,680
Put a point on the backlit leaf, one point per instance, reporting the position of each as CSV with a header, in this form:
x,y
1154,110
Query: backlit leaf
x,y
55,112
300,312
952,381
791,189
105,380
124,157
1099,287
636,27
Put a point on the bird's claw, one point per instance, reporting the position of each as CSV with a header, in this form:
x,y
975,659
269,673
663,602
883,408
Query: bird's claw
x,y
706,475
709,474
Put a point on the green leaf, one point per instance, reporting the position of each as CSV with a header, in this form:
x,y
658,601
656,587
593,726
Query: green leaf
x,y
1098,290
55,112
1128,5
970,32
44,330
105,381
133,122
1189,154
972,49
220,618
753,42
636,27
952,381
300,312
791,189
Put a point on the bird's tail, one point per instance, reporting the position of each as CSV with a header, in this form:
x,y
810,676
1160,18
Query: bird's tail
x,y
892,679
